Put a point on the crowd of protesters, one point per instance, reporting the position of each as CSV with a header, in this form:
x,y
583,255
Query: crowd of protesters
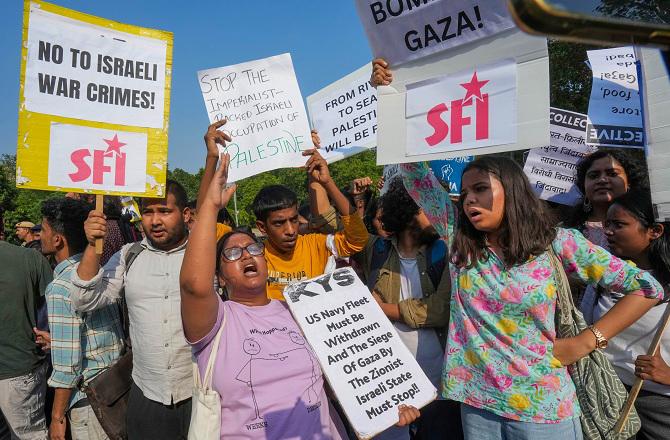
x,y
470,286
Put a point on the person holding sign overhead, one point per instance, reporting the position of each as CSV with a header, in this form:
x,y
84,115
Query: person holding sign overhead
x,y
266,375
293,257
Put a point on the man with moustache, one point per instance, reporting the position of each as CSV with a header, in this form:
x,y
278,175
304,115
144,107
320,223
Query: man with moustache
x,y
159,406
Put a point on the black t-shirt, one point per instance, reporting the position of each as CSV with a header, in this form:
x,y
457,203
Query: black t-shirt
x,y
24,275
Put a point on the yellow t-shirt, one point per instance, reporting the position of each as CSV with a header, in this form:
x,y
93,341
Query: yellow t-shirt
x,y
221,230
311,254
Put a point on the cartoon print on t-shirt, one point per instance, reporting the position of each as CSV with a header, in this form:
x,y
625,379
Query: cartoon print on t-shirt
x,y
252,348
311,393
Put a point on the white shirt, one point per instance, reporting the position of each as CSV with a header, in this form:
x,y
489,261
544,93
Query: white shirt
x,y
423,343
161,357
624,348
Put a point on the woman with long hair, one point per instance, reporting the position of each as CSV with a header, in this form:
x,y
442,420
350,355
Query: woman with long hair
x,y
601,177
503,358
633,233
267,375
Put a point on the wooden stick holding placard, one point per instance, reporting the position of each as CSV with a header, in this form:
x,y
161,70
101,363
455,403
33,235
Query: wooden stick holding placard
x,y
637,385
99,206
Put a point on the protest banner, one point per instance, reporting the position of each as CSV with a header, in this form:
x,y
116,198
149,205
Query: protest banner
x,y
94,104
531,115
552,169
405,30
656,91
487,93
345,115
368,367
449,171
265,112
615,116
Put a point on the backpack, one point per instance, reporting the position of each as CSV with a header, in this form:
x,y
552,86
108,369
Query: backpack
x,y
135,250
436,260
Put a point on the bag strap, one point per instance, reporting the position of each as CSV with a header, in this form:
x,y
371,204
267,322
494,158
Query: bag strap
x,y
564,302
205,383
135,249
380,253
436,261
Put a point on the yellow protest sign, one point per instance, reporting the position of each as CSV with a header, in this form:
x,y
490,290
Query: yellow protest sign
x,y
94,104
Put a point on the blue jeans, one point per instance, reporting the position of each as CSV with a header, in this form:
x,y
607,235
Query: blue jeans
x,y
480,424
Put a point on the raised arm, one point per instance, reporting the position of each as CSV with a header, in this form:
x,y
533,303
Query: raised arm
x,y
212,138
198,299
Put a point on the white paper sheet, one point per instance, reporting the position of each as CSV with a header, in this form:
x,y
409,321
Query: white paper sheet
x,y
265,112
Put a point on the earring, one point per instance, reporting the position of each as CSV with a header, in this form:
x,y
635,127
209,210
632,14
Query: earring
x,y
586,205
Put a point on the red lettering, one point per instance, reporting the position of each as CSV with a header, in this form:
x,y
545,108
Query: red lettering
x,y
83,170
120,170
482,115
440,128
99,167
457,119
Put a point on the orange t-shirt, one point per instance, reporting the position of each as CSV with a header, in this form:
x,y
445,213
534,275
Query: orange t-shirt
x,y
311,253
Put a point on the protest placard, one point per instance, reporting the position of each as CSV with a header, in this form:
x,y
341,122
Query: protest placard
x,y
449,171
551,170
389,173
405,30
345,115
474,107
656,89
265,112
615,116
369,368
531,117
94,103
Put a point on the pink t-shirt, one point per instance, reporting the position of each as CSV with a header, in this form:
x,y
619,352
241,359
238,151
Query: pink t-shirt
x,y
267,375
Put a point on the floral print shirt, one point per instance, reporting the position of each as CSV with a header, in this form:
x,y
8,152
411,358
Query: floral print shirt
x,y
499,354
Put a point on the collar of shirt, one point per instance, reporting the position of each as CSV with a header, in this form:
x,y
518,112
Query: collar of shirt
x,y
68,262
147,245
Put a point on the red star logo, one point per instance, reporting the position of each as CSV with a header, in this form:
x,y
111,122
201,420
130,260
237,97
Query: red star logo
x,y
474,87
113,146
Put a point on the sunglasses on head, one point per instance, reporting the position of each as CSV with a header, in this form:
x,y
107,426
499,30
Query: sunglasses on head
x,y
235,253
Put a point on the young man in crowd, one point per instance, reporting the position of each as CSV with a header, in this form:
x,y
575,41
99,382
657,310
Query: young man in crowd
x,y
24,276
409,278
290,256
159,406
83,345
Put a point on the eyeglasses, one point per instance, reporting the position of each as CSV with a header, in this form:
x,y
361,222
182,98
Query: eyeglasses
x,y
235,253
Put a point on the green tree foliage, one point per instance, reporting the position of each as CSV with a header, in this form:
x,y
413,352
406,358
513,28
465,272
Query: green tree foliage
x,y
18,205
570,76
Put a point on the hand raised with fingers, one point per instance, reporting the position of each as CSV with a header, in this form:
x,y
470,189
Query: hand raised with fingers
x,y
316,140
317,167
381,74
218,194
214,136
360,185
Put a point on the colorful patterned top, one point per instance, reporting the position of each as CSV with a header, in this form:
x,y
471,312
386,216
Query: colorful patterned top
x,y
499,354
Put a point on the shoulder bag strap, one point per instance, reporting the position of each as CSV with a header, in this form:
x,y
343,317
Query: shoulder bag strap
x,y
206,382
564,302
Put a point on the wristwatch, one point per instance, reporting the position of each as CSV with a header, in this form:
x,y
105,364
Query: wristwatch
x,y
601,341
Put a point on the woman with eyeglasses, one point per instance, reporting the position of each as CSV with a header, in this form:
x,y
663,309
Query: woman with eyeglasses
x,y
267,375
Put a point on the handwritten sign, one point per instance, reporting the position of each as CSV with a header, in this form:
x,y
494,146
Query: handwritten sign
x,y
401,31
94,104
366,363
345,115
265,112
475,108
552,170
615,116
